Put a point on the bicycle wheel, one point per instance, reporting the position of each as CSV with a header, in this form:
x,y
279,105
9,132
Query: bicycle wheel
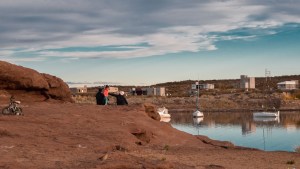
x,y
18,111
6,111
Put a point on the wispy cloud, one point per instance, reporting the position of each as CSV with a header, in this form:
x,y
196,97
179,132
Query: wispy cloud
x,y
16,60
167,26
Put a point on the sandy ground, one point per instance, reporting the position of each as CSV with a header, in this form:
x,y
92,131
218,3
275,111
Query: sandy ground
x,y
54,135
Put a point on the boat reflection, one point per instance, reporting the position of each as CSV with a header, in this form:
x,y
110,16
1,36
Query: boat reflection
x,y
266,119
241,128
242,119
198,120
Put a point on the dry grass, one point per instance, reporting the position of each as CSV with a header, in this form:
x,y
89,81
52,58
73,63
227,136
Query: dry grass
x,y
88,99
232,101
288,96
297,94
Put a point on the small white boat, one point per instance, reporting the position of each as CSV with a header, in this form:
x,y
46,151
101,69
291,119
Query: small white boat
x,y
266,114
198,113
163,112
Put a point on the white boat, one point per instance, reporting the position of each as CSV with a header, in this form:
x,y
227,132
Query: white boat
x,y
197,113
266,114
266,119
163,112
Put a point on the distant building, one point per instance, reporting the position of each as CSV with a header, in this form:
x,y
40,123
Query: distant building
x,y
79,89
288,85
205,86
149,91
113,89
137,91
247,82
155,91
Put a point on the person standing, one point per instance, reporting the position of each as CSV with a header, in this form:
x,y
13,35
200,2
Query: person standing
x,y
105,93
99,97
121,100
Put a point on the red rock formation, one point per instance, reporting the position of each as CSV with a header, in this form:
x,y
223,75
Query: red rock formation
x,y
150,110
58,89
13,77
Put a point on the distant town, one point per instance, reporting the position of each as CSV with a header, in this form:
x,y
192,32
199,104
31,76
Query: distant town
x,y
187,88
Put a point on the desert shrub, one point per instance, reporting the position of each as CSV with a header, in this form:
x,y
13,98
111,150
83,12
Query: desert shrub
x,y
291,162
166,147
297,149
163,159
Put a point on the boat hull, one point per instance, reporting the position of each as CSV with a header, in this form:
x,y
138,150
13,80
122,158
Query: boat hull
x,y
198,114
266,119
165,115
266,114
165,119
163,112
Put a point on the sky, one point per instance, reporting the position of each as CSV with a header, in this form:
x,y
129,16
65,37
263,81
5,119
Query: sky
x,y
145,42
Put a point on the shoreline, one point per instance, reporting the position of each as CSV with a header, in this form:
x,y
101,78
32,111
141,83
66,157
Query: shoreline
x,y
227,110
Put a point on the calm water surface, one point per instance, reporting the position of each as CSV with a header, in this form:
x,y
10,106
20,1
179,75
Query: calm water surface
x,y
270,134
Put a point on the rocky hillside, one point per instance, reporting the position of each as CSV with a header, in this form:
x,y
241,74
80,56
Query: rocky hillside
x,y
181,88
20,81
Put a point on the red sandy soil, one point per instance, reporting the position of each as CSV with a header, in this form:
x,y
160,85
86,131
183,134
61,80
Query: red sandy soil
x,y
54,135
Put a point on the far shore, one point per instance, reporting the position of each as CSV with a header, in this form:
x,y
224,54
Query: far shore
x,y
236,102
228,110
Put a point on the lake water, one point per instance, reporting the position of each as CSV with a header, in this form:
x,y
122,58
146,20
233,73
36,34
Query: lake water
x,y
270,134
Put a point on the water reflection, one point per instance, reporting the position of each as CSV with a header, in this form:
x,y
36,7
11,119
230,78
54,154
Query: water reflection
x,y
280,133
198,120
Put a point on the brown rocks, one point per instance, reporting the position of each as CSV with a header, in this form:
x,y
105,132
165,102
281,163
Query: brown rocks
x,y
18,78
150,109
58,89
13,77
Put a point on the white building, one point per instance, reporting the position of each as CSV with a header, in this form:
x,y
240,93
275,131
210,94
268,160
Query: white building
x,y
247,82
79,89
155,91
113,89
205,86
288,85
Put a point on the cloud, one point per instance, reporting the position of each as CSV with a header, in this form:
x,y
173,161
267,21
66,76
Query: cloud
x,y
16,60
168,26
91,84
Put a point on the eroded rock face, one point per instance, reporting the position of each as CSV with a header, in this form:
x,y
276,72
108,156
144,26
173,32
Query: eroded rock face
x,y
19,78
13,77
58,89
